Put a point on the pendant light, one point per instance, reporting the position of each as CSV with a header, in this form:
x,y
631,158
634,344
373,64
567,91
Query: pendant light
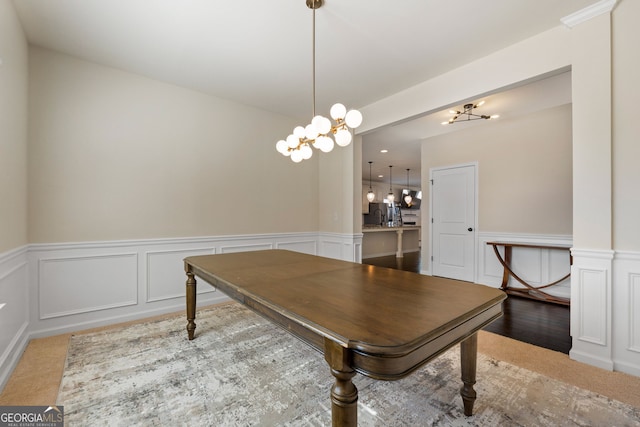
x,y
390,196
370,195
321,132
408,198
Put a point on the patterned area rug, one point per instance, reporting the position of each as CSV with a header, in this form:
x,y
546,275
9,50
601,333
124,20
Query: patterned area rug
x,y
243,371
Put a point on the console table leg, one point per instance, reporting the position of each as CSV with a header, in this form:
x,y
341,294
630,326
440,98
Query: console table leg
x,y
468,360
344,394
191,304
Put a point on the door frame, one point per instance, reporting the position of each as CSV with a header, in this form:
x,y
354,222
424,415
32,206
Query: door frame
x,y
475,219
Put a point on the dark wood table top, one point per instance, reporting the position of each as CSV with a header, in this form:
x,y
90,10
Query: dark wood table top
x,y
372,310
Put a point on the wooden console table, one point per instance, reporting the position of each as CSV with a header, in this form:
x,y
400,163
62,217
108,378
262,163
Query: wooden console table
x,y
529,291
376,321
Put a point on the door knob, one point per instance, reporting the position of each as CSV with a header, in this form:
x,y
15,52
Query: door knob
x,y
469,229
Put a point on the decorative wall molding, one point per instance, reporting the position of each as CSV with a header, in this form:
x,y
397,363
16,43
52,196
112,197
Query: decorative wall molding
x,y
591,317
626,312
14,318
589,12
165,272
76,286
96,282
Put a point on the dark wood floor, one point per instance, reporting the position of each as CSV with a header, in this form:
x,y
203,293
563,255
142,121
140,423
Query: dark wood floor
x,y
534,322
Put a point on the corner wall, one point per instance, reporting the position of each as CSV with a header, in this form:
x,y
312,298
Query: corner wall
x,y
14,310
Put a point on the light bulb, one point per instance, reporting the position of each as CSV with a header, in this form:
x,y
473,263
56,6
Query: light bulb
x,y
299,132
337,111
371,196
326,144
282,146
495,116
306,151
292,141
296,156
343,137
322,124
353,119
390,196
310,132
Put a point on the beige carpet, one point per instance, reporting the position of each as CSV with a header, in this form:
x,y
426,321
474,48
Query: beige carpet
x,y
241,370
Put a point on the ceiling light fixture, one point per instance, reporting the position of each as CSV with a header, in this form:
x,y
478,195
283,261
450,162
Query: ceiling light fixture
x,y
408,198
467,111
370,195
390,196
318,133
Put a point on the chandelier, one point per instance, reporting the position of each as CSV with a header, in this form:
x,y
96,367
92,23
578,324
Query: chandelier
x,y
467,111
321,132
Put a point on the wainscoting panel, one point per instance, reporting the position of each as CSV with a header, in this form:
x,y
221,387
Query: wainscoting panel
x,y
626,312
74,285
592,285
165,273
341,246
303,246
14,309
591,314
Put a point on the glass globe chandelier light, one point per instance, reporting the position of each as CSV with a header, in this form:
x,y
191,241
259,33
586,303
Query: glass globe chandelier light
x,y
390,196
408,198
321,132
370,195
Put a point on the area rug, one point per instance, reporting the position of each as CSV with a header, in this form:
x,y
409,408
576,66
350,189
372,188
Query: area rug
x,y
241,370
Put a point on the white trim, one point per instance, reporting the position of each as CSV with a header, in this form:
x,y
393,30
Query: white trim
x,y
591,315
589,12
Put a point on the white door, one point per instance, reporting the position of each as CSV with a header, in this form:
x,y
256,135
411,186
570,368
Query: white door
x,y
453,213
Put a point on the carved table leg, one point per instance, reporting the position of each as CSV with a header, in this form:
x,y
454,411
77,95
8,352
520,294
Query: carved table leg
x,y
191,303
344,394
468,359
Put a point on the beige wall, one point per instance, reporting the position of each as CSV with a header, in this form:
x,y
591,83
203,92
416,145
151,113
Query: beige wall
x,y
114,156
524,171
626,126
13,130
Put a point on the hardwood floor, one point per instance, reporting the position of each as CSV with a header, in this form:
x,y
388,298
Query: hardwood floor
x,y
535,322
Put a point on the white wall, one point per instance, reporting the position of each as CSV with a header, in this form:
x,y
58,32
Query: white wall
x,y
114,155
13,130
626,127
14,310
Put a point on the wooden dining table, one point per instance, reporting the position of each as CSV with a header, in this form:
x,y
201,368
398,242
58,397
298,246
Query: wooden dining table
x,y
379,322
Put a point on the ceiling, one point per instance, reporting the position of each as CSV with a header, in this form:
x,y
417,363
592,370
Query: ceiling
x,y
259,52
